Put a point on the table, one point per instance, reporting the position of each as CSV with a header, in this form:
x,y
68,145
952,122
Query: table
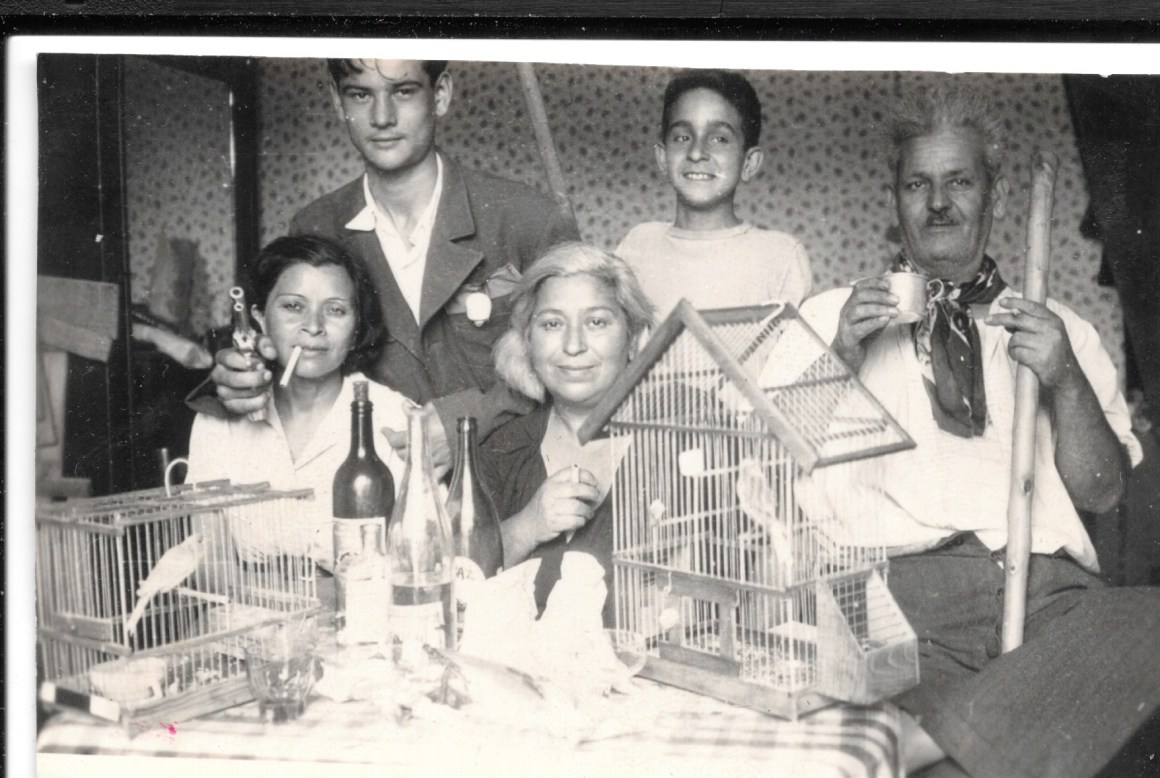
x,y
656,730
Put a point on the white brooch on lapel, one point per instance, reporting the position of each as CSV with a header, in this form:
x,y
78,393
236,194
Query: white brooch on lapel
x,y
478,306
477,302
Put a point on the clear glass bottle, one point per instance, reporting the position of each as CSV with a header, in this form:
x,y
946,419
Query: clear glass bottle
x,y
475,532
419,555
366,589
362,495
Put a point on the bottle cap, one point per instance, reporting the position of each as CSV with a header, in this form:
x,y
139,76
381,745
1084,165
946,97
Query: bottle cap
x,y
360,391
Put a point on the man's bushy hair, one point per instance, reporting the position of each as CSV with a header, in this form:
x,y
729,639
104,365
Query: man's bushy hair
x,y
947,104
340,68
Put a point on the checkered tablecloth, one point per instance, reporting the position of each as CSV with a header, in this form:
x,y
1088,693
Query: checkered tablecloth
x,y
657,730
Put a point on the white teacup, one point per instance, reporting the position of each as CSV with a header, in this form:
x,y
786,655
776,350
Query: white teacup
x,y
911,291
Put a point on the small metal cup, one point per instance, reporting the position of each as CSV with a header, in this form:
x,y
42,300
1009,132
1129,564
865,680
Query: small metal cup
x,y
911,291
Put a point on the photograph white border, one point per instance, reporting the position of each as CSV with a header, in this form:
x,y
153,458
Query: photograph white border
x,y
22,173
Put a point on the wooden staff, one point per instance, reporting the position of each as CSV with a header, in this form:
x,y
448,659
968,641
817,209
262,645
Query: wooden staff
x,y
543,133
1043,168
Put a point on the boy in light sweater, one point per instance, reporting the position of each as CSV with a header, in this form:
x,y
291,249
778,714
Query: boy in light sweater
x,y
710,128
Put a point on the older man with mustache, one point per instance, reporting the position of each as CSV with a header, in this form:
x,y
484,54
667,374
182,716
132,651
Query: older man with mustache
x,y
1086,680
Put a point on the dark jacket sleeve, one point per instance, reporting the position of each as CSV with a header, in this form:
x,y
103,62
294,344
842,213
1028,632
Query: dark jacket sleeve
x,y
510,463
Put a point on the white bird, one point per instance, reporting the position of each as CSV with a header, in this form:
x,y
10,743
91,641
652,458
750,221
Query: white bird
x,y
174,566
759,502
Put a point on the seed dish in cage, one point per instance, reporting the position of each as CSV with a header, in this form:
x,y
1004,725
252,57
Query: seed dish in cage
x,y
156,580
727,522
129,681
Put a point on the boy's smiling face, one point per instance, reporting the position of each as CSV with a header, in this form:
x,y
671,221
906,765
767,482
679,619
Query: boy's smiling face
x,y
703,153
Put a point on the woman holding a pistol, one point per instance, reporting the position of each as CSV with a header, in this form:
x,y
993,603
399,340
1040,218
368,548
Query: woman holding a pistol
x,y
319,307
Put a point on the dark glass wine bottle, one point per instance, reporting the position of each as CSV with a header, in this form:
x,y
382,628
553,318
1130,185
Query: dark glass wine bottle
x,y
419,555
475,531
363,492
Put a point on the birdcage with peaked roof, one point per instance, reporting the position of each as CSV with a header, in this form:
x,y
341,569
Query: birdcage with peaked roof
x,y
145,601
747,547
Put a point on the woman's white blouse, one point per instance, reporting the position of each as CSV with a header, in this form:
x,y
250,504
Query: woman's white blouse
x,y
245,452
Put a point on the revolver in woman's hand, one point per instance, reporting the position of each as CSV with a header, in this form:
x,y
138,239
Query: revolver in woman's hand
x,y
246,339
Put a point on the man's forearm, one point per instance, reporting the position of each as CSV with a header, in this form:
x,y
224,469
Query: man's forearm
x,y
1088,455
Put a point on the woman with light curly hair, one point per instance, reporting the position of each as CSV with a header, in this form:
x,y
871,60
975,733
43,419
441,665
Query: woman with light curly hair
x,y
576,323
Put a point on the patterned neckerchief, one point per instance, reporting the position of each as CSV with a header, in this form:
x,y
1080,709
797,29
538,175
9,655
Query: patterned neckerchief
x,y
947,345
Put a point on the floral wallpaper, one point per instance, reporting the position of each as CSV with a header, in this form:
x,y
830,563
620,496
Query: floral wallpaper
x,y
823,178
179,193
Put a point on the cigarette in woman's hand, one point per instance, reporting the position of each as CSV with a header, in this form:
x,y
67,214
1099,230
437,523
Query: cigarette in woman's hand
x,y
290,365
575,480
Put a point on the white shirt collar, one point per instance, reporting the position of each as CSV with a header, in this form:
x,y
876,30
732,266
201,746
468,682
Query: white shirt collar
x,y
406,255
365,220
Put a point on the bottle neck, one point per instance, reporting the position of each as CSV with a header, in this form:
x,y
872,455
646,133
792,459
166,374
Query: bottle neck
x,y
362,437
465,456
419,501
417,460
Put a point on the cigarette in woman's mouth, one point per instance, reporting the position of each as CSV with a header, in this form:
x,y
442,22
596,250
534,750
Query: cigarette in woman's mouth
x,y
289,371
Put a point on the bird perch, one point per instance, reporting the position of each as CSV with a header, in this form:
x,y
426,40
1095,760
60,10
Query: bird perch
x,y
1043,169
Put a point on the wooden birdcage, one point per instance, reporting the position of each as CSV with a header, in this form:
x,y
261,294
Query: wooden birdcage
x,y
746,547
203,566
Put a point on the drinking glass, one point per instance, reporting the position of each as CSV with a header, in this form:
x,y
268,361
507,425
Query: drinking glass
x,y
282,664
